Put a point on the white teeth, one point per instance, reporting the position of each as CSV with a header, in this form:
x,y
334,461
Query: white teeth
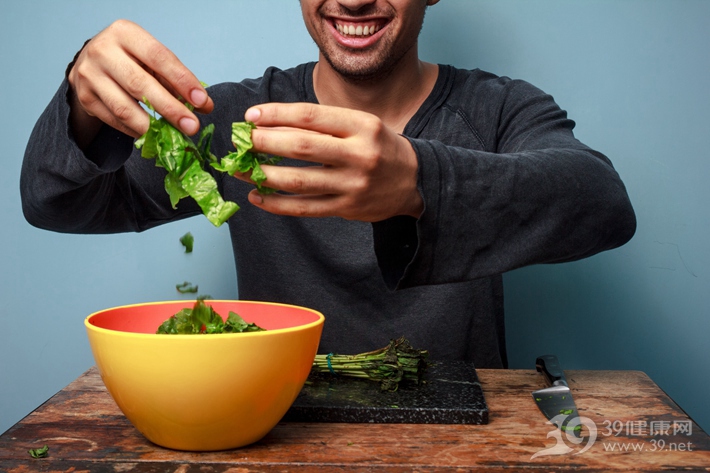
x,y
359,30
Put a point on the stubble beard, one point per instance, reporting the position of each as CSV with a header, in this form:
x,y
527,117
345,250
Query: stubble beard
x,y
361,69
369,65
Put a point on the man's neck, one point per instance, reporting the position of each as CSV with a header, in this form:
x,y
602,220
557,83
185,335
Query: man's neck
x,y
394,98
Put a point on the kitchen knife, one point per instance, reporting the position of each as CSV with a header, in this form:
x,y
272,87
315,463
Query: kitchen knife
x,y
556,400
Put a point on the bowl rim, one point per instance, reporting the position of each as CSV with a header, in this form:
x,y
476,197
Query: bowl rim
x,y
201,336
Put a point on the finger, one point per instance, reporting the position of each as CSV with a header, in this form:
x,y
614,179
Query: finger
x,y
301,145
334,121
311,180
105,115
142,86
296,205
134,61
113,106
207,108
159,59
100,96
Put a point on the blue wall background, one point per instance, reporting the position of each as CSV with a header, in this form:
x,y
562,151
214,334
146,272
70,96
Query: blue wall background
x,y
633,74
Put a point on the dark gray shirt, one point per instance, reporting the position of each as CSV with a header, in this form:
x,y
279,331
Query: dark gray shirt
x,y
504,181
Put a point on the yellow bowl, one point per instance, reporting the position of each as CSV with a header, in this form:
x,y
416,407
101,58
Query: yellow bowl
x,y
204,392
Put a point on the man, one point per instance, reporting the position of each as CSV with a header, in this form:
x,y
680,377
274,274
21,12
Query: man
x,y
422,183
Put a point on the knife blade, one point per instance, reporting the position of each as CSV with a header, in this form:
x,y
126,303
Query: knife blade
x,y
556,401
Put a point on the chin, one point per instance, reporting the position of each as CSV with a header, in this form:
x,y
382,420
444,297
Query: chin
x,y
358,70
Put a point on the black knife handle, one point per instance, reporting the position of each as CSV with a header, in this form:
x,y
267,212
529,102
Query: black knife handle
x,y
551,369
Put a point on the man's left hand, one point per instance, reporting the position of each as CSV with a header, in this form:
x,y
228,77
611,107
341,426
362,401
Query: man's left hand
x,y
367,171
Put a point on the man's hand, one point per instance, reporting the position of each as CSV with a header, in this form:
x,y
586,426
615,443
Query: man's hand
x,y
367,171
117,69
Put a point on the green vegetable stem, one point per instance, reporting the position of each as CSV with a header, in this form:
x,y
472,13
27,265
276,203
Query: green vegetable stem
x,y
389,365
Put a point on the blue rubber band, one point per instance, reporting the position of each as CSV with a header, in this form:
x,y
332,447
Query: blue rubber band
x,y
330,367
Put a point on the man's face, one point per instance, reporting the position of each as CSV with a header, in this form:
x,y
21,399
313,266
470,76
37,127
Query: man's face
x,y
364,39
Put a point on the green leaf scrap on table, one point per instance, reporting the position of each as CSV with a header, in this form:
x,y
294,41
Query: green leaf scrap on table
x,y
39,452
186,163
202,319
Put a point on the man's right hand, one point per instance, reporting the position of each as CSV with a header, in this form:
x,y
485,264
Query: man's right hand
x,y
117,69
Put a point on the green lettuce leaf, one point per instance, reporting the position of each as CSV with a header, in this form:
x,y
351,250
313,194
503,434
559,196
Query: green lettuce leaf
x,y
243,160
188,241
203,319
39,452
184,162
235,323
186,288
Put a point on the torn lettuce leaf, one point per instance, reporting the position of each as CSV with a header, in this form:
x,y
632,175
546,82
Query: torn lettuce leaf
x,y
186,288
243,160
188,241
184,162
39,452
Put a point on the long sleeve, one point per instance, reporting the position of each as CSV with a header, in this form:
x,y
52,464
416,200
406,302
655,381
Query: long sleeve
x,y
107,189
505,184
504,181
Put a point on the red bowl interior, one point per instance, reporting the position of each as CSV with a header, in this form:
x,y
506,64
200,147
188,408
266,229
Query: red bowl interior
x,y
146,318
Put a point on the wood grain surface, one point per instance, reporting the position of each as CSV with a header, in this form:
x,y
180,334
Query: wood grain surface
x,y
85,431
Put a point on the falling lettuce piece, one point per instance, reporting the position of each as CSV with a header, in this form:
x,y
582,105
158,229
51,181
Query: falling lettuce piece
x,y
188,241
186,288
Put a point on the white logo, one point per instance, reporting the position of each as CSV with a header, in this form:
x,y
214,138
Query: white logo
x,y
560,447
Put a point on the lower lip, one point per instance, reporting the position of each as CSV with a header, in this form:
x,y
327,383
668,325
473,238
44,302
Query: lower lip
x,y
355,42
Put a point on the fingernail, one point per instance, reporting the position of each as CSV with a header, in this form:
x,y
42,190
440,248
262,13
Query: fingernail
x,y
198,97
255,198
188,125
252,114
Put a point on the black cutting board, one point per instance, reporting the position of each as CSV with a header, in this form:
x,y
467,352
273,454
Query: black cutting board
x,y
452,394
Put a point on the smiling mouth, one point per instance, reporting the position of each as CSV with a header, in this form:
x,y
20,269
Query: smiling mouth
x,y
357,29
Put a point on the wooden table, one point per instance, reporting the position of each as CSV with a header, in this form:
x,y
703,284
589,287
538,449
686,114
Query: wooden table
x,y
639,428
